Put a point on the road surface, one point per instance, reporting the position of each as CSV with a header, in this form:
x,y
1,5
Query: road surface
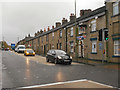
x,y
21,71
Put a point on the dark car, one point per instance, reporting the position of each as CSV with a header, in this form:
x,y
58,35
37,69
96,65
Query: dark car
x,y
58,56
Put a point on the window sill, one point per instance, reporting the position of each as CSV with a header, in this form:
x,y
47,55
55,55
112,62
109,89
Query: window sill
x,y
81,33
71,36
71,52
92,31
93,52
116,56
115,15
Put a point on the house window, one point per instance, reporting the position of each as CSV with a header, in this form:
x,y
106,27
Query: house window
x,y
117,48
94,47
60,46
52,35
71,31
93,25
81,30
71,47
42,39
115,8
38,41
60,33
46,37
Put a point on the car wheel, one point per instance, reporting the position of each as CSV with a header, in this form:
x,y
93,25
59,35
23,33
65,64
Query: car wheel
x,y
47,60
69,63
56,61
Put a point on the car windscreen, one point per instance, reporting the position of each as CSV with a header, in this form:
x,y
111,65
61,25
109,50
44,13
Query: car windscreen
x,y
60,52
30,51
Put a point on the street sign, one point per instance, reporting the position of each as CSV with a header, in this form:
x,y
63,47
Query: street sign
x,y
100,46
13,46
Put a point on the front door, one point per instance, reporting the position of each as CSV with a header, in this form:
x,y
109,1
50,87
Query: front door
x,y
81,49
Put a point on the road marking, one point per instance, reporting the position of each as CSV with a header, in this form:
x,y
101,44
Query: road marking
x,y
100,84
67,82
36,86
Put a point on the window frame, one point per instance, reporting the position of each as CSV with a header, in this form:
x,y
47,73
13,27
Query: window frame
x,y
115,5
93,25
118,44
71,31
94,50
71,47
60,33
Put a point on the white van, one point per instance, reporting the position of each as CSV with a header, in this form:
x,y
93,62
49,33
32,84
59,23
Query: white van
x,y
20,48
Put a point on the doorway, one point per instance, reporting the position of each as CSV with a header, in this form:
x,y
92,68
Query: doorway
x,y
81,49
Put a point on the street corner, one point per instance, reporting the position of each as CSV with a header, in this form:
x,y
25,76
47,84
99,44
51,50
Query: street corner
x,y
84,83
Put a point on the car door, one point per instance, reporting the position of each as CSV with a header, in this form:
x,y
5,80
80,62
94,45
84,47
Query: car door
x,y
49,55
53,55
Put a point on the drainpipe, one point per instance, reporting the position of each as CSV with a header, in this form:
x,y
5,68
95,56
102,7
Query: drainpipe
x,y
66,38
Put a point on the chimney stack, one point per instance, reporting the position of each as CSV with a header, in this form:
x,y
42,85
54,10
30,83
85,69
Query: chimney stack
x,y
58,24
86,11
41,31
72,17
64,21
35,34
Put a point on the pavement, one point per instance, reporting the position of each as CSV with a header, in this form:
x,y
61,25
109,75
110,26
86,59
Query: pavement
x,y
98,63
84,83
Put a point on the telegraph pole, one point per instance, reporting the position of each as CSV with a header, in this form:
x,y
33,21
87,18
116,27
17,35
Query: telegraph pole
x,y
75,32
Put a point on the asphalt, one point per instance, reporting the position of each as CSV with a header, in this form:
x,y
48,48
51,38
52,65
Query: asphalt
x,y
21,71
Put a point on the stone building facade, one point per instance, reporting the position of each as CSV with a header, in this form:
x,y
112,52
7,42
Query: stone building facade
x,y
95,35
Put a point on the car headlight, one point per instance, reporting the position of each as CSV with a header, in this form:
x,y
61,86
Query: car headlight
x,y
59,57
27,52
33,52
70,57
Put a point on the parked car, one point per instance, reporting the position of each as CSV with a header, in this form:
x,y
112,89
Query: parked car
x,y
6,49
29,52
16,49
58,56
20,48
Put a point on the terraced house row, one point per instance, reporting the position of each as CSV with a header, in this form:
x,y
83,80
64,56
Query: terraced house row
x,y
95,35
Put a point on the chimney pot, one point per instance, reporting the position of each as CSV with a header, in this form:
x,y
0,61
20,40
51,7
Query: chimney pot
x,y
44,30
48,28
86,11
52,27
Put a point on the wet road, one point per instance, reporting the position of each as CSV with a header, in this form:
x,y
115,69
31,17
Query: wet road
x,y
21,71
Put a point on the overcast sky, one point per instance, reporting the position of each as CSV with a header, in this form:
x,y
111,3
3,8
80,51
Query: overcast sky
x,y
18,18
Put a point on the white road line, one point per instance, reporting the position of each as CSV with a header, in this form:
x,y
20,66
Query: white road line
x,y
36,86
53,84
100,84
